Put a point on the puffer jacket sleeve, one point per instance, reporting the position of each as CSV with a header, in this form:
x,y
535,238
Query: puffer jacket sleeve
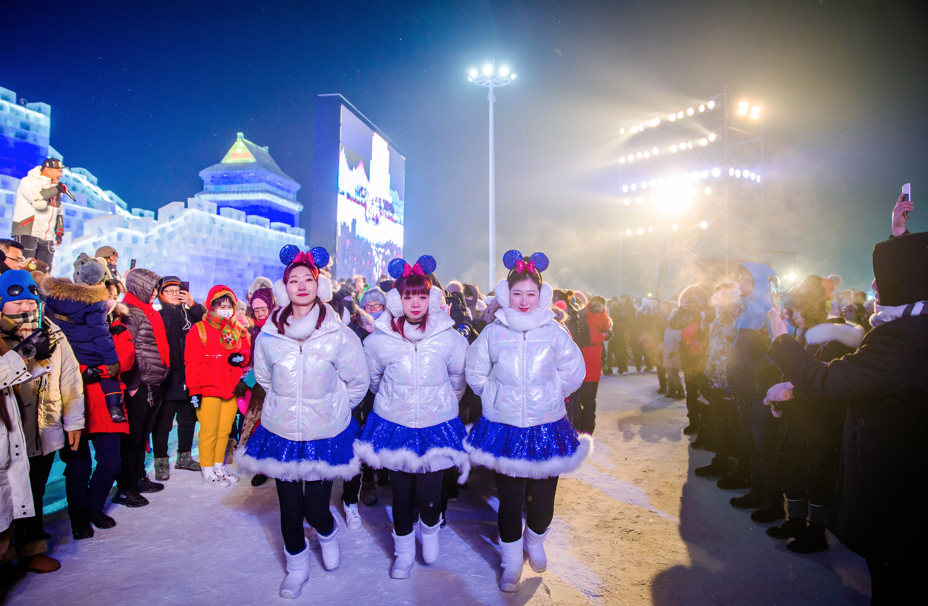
x,y
262,367
477,362
99,330
193,360
36,192
151,368
457,364
569,361
72,389
375,366
352,366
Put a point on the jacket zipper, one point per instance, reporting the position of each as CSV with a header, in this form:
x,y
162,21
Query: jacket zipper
x,y
415,352
299,395
524,339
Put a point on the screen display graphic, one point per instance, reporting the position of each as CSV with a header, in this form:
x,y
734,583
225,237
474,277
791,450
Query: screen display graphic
x,y
371,186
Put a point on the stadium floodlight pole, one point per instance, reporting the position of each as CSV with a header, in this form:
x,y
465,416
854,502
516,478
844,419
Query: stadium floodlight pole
x,y
492,78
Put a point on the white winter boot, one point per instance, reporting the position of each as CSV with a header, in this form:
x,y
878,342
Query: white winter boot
x,y
352,517
330,553
313,538
224,472
535,546
405,550
297,573
211,479
428,536
512,565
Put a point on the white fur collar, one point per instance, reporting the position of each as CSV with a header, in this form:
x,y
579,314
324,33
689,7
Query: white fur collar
x,y
518,320
545,295
437,321
323,292
848,334
305,327
395,304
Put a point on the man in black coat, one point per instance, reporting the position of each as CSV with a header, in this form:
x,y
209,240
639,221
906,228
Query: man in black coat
x,y
877,507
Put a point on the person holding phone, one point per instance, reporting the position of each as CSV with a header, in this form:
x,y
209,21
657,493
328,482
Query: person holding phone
x,y
179,312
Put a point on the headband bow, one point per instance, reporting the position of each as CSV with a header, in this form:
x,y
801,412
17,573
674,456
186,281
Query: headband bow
x,y
398,268
522,266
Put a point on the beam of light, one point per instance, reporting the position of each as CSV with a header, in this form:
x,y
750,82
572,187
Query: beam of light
x,y
487,70
711,104
504,71
675,198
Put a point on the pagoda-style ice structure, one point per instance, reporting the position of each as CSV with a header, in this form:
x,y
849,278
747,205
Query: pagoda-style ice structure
x,y
228,234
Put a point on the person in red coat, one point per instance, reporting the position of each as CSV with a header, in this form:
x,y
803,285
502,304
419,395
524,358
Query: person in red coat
x,y
594,314
86,486
217,349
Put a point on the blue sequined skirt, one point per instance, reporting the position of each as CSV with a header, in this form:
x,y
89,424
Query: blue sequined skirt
x,y
387,445
540,451
325,459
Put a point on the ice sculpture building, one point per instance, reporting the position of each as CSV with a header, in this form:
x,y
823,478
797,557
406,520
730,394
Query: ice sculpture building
x,y
229,233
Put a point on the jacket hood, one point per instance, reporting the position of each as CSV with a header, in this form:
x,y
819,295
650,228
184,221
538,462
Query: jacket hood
x,y
395,304
518,320
756,305
305,327
436,322
142,283
846,334
900,266
323,291
218,291
64,290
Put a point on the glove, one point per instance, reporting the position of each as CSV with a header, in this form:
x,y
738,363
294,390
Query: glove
x,y
240,389
37,345
91,375
236,359
196,400
61,187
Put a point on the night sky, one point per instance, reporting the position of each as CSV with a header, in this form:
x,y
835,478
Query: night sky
x,y
147,96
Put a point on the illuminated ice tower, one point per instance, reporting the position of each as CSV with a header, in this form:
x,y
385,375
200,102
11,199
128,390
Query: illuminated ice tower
x,y
248,179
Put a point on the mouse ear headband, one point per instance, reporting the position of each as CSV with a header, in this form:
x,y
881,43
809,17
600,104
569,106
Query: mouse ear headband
x,y
398,268
516,263
316,258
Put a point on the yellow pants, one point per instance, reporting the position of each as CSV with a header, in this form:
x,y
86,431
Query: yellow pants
x,y
215,417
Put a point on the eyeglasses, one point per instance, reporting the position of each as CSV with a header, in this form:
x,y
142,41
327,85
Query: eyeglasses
x,y
19,260
171,291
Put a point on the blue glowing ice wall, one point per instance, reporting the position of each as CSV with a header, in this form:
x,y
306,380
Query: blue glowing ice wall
x,y
358,191
24,133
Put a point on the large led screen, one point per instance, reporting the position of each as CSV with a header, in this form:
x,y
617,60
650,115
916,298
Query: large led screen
x,y
371,185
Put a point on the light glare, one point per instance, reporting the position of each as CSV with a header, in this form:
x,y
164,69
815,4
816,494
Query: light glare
x,y
711,104
487,70
504,71
703,224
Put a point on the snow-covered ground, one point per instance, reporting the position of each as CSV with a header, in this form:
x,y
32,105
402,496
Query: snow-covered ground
x,y
632,526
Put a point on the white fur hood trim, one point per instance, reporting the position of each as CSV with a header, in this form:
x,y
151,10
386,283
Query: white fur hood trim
x,y
846,334
323,292
519,321
395,304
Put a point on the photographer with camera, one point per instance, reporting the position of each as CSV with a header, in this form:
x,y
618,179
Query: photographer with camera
x,y
38,217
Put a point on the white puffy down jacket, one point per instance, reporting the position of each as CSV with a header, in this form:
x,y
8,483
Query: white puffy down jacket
x,y
420,379
524,365
313,378
30,203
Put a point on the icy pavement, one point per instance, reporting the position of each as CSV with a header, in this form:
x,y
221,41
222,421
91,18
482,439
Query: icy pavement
x,y
632,526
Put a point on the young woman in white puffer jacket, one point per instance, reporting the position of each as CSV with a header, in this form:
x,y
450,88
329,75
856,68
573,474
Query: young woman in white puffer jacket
x,y
313,369
416,361
523,366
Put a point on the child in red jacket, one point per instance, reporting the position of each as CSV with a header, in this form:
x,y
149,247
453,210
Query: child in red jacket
x,y
217,349
600,330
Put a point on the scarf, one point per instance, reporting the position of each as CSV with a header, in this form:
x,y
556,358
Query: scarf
x,y
16,326
230,330
260,323
884,314
157,326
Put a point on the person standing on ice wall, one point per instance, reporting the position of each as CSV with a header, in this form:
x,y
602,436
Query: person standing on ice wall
x,y
416,361
523,366
313,369
38,217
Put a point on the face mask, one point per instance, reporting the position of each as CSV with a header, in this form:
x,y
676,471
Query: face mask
x,y
225,313
376,314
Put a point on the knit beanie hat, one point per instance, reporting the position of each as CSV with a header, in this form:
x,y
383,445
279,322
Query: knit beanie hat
x,y
17,284
92,273
264,294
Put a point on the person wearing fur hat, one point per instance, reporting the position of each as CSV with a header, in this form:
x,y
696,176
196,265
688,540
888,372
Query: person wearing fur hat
x,y
523,366
416,362
52,404
600,325
313,369
259,283
217,348
374,302
179,312
808,465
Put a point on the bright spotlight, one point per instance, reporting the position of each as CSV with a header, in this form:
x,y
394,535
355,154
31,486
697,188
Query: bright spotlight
x,y
639,200
512,77
672,117
654,150
628,201
634,129
711,104
673,149
634,187
641,127
487,70
640,231
674,227
695,175
622,160
711,136
675,198
742,110
755,109
792,277
731,172
631,158
753,176
647,154
758,178
638,155
504,71
738,173
628,232
680,114
654,122
689,111
703,224
624,189
650,229
743,104
644,185
704,174
755,116
716,172
704,142
689,146
621,131
651,184
473,73
702,108
707,191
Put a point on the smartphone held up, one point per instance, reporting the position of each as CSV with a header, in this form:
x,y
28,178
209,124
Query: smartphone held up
x,y
907,196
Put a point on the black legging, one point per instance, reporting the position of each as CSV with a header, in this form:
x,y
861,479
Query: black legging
x,y
351,489
299,500
427,499
587,401
513,492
